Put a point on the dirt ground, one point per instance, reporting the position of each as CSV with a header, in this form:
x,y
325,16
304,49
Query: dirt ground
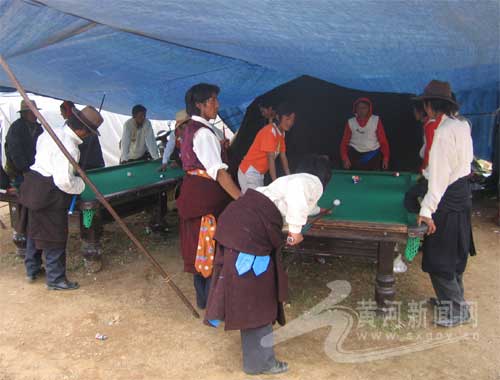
x,y
151,335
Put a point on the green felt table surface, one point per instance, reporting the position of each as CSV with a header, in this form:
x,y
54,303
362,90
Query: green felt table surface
x,y
377,198
114,179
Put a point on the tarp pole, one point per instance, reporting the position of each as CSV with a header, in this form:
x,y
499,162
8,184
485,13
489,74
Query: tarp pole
x,y
155,264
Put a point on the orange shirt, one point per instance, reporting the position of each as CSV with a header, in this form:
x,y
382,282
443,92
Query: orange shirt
x,y
269,140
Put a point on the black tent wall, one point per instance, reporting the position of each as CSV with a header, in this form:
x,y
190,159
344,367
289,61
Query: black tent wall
x,y
322,110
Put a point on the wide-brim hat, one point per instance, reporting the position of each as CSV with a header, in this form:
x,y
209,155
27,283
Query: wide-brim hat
x,y
436,89
25,107
163,134
181,117
90,118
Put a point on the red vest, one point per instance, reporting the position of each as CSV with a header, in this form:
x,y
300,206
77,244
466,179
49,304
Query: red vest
x,y
188,156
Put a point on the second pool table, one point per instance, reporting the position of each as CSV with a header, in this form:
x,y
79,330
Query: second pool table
x,y
129,188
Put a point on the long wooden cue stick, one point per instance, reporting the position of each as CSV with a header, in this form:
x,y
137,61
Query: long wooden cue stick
x,y
98,194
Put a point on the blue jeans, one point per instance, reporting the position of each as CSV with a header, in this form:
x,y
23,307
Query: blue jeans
x,y
55,262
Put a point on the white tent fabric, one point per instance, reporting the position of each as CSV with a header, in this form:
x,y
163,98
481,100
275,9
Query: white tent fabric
x,y
110,130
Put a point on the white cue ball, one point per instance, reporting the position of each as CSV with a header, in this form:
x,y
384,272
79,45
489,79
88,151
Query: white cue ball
x,y
129,174
336,202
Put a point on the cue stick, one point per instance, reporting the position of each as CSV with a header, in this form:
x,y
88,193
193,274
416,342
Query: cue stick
x,y
323,213
155,264
102,102
309,225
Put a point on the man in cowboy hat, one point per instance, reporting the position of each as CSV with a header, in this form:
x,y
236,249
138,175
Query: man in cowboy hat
x,y
20,149
46,192
90,150
446,206
20,143
181,118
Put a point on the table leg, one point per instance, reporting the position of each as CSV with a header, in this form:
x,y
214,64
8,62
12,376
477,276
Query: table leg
x,y
384,287
19,238
158,212
91,243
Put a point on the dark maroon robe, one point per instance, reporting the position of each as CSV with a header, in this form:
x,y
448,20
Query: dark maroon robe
x,y
47,216
251,224
198,197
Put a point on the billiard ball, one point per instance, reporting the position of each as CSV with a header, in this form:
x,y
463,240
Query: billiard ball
x,y
129,174
336,202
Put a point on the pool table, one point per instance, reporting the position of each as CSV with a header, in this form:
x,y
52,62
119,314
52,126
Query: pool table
x,y
129,188
371,222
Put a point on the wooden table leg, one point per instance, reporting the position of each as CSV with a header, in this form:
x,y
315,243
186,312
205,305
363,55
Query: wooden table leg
x,y
158,211
384,286
18,238
91,243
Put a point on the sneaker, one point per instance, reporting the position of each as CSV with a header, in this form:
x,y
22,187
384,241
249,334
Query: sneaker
x,y
434,301
30,279
453,321
277,368
63,285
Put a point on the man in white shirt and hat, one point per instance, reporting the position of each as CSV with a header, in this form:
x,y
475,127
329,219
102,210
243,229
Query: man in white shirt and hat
x,y
47,191
446,206
174,140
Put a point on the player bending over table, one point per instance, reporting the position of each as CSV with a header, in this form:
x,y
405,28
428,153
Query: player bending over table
x,y
46,193
138,139
268,144
249,283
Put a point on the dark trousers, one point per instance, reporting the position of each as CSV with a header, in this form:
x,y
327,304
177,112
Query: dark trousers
x,y
449,290
55,262
256,357
357,163
202,287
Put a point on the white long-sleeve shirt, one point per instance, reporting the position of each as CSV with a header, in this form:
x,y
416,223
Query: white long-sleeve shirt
x,y
169,148
50,161
296,196
207,147
450,158
135,141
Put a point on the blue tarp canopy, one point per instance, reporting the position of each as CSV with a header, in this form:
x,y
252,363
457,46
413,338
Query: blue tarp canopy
x,y
150,52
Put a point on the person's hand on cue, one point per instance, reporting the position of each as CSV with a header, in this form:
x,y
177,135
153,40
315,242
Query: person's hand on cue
x,y
294,239
429,222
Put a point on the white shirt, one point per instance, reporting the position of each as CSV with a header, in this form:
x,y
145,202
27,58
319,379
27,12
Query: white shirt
x,y
135,140
206,146
364,139
169,148
450,158
50,161
296,196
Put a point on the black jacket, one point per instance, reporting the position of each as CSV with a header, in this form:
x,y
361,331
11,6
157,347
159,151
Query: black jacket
x,y
91,153
20,144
